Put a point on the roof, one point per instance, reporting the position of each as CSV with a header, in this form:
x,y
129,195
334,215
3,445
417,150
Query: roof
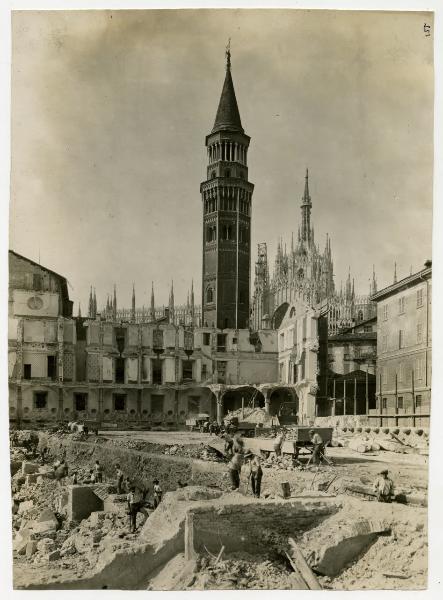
x,y
228,115
358,374
402,284
359,324
37,264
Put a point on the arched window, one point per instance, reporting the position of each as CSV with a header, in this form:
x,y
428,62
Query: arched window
x,y
209,295
227,172
360,315
213,175
292,313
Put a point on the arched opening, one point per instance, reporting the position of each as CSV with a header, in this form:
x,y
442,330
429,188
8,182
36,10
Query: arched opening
x,y
213,175
292,313
283,402
279,314
252,398
209,295
360,315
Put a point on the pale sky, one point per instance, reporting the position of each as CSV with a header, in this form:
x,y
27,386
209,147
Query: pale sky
x,y
110,112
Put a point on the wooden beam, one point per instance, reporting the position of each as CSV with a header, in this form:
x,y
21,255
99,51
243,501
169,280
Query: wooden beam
x,y
303,567
299,582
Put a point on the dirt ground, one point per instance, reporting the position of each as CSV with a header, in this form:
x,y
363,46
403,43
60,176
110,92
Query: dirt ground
x,y
397,561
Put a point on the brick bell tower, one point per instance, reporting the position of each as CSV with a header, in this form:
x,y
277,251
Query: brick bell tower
x,y
226,199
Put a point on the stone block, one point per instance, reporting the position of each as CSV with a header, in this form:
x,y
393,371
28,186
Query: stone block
x,y
25,506
31,479
31,548
82,501
53,556
29,468
43,527
21,540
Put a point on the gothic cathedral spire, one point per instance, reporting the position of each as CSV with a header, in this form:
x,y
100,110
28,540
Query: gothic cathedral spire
x,y
306,205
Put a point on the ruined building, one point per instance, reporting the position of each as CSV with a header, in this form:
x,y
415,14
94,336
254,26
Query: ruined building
x,y
305,273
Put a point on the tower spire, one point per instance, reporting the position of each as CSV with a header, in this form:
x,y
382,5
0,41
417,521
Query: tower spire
x,y
114,304
306,205
228,115
152,316
94,302
395,272
133,304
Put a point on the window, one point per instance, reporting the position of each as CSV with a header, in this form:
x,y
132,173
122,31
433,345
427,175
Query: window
x,y
119,401
400,403
282,341
281,367
295,373
401,338
419,369
157,338
234,340
157,371
401,372
384,403
187,366
360,315
209,295
26,371
51,367
204,372
367,328
227,173
384,343
213,175
221,370
401,305
419,333
80,401
384,375
420,298
418,401
221,342
292,313
385,312
119,370
206,339
40,400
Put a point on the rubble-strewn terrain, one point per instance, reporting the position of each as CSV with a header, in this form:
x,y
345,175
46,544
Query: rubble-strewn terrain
x,y
50,549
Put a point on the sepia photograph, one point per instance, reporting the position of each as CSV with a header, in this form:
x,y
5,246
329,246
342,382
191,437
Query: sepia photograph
x,y
220,299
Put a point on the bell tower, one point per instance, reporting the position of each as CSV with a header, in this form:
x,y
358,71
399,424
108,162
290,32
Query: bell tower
x,y
226,200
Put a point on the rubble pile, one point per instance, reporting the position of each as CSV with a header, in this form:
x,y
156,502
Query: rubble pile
x,y
197,451
251,415
242,571
367,439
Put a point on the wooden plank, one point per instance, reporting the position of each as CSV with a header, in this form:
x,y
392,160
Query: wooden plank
x,y
303,567
300,583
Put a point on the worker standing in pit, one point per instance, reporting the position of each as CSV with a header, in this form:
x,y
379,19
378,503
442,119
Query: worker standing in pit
x,y
229,442
234,468
255,474
135,501
119,479
278,441
384,487
158,493
98,472
317,446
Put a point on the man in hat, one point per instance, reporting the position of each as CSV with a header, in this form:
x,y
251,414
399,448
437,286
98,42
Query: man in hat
x,y
384,487
255,473
317,446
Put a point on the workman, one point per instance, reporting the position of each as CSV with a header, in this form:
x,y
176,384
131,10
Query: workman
x,y
234,468
255,474
278,441
98,472
135,501
119,479
237,443
158,493
317,446
384,487
229,442
61,472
